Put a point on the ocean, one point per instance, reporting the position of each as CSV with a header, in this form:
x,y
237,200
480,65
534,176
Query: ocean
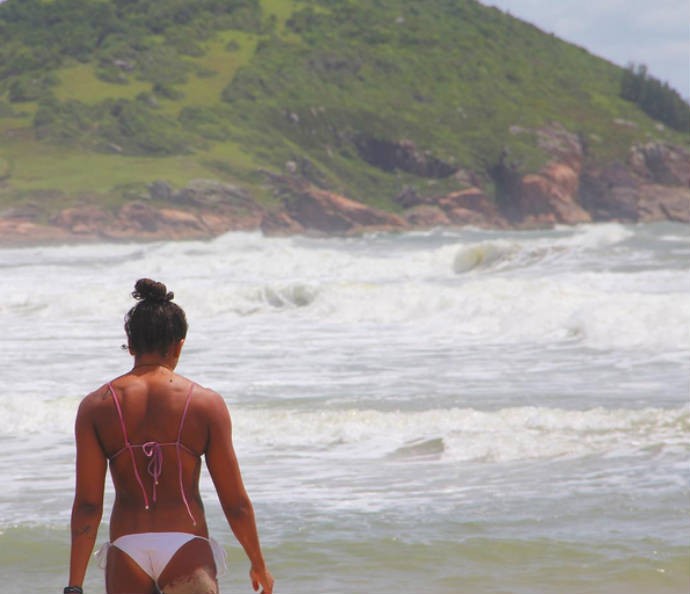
x,y
446,412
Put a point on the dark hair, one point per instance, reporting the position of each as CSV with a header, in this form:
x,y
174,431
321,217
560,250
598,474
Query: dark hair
x,y
155,323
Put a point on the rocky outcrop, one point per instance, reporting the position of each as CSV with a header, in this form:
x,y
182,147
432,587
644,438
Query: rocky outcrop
x,y
610,192
426,216
471,207
660,163
280,223
663,203
201,210
317,210
133,220
17,231
550,195
402,155
85,220
653,185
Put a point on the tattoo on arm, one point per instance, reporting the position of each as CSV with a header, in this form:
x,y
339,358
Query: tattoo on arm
x,y
82,531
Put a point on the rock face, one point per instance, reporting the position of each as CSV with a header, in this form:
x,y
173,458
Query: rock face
x,y
471,207
330,212
19,231
654,185
203,209
610,193
402,155
81,221
660,163
133,220
316,210
550,197
663,203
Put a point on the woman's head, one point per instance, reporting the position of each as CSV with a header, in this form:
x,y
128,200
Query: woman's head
x,y
155,323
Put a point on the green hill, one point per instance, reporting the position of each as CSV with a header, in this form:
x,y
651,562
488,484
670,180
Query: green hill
x,y
100,98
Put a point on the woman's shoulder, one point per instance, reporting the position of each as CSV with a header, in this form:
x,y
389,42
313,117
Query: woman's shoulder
x,y
206,397
94,401
98,395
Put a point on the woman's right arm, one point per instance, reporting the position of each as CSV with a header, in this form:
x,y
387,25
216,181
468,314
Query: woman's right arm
x,y
225,472
88,497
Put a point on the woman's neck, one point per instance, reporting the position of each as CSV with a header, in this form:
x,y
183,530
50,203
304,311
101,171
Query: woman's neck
x,y
152,365
144,362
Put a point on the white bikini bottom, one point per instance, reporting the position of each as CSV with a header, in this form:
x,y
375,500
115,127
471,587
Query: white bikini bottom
x,y
152,551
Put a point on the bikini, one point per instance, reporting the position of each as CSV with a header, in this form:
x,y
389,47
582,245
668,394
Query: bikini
x,y
152,551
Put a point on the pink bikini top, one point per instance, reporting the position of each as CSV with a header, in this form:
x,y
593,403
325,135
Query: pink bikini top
x,y
154,451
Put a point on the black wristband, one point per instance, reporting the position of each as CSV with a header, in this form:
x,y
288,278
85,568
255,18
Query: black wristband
x,y
73,590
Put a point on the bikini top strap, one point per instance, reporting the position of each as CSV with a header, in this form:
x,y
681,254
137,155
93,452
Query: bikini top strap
x,y
179,460
116,400
184,412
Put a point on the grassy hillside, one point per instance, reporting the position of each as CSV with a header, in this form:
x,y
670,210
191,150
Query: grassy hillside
x,y
99,98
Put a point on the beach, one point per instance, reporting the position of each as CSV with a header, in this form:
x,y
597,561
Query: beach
x,y
447,411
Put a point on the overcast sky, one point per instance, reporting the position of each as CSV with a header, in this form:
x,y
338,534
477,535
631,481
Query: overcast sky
x,y
651,32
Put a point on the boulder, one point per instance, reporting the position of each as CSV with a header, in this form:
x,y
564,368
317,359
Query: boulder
x,y
651,186
208,192
426,216
471,199
160,190
402,155
409,198
279,224
464,217
30,212
564,147
610,193
82,220
180,219
661,163
137,220
664,203
328,212
138,217
551,197
22,232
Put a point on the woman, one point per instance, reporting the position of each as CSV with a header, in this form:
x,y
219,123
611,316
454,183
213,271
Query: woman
x,y
152,426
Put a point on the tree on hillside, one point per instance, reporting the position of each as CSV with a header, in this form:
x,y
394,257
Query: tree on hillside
x,y
658,100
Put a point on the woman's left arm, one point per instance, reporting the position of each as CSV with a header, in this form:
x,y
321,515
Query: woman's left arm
x,y
87,509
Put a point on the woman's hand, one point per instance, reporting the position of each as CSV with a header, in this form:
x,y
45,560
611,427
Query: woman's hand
x,y
261,577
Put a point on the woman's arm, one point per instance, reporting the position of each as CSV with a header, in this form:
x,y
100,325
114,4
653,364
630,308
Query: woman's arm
x,y
225,472
88,498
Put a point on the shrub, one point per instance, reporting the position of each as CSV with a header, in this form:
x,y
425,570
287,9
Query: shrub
x,y
204,122
138,130
31,87
162,65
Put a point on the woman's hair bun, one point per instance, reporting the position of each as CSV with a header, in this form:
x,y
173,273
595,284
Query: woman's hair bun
x,y
146,289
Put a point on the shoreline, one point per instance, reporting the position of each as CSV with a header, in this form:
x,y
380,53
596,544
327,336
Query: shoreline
x,y
28,234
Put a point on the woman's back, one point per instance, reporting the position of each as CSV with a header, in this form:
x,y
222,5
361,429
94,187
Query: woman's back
x,y
153,430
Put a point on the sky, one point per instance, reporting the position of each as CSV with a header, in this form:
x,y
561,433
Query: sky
x,y
651,32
